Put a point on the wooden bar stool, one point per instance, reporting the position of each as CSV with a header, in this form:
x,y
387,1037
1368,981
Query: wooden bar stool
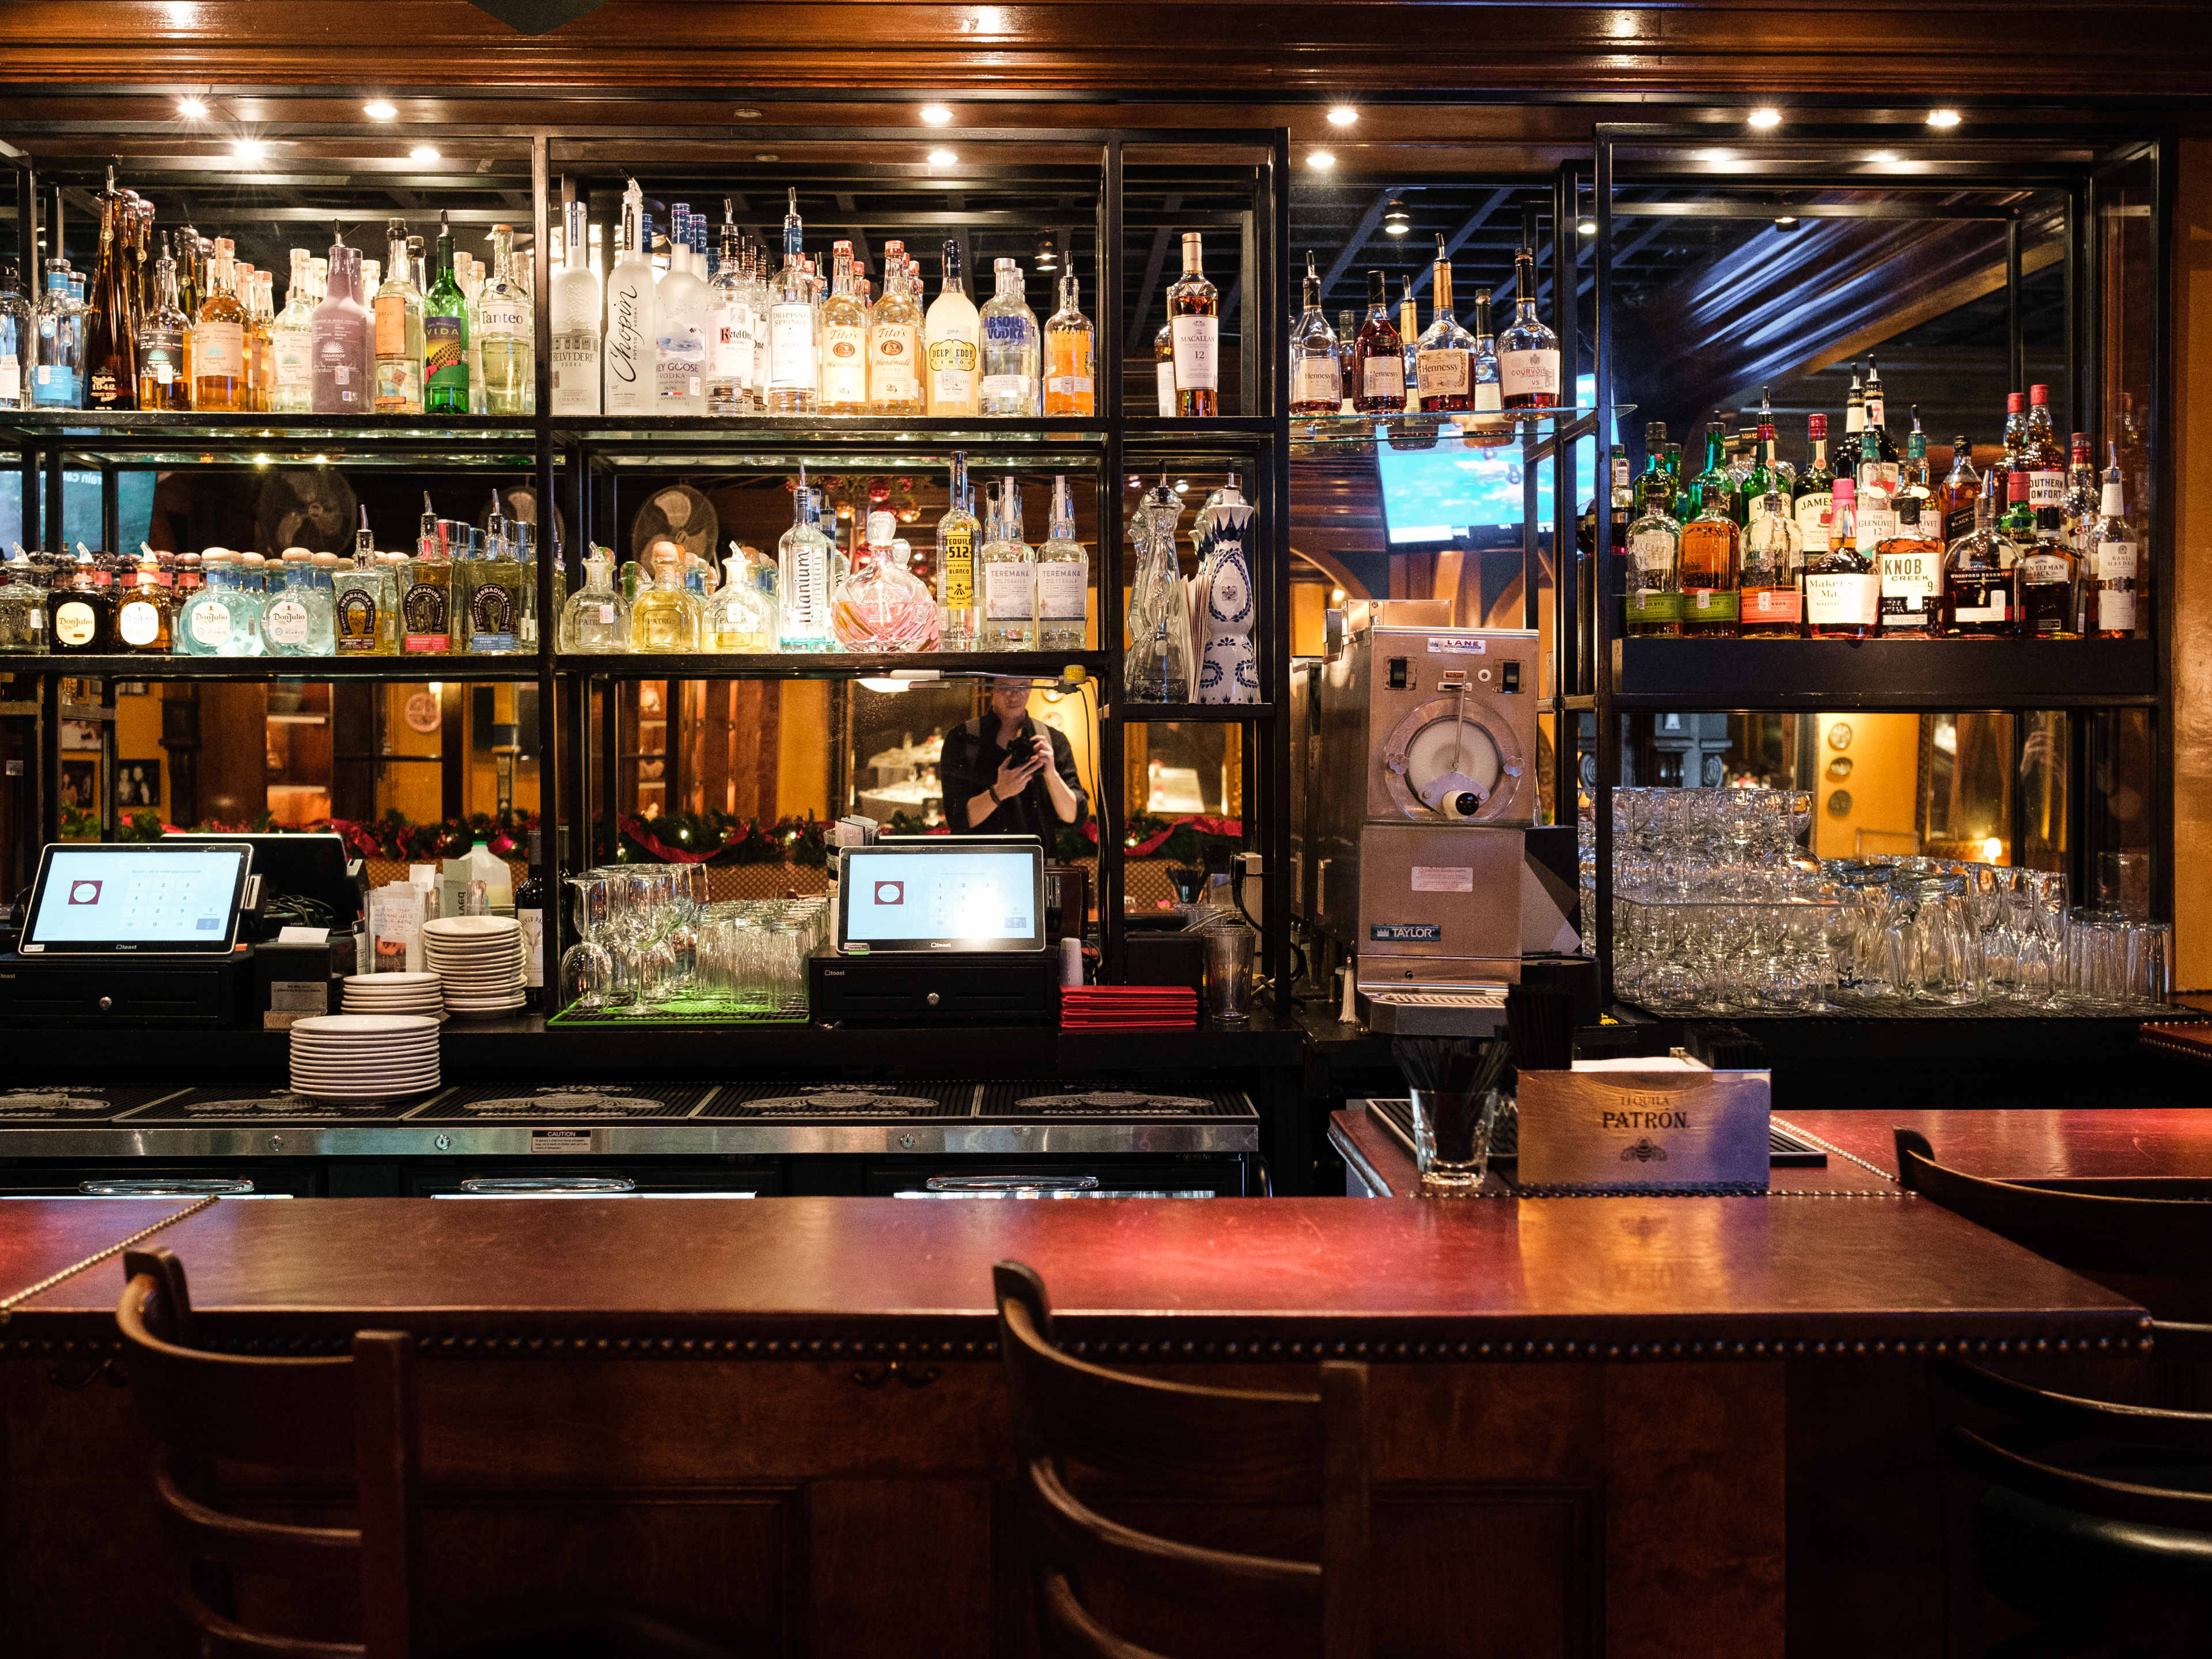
x,y
1208,1453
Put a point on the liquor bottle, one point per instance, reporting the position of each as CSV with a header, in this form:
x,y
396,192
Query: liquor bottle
x,y
444,374
2114,574
1877,452
426,608
1847,453
18,339
803,580
1960,490
844,331
494,588
1654,573
2016,427
957,533
468,275
1710,489
1006,566
1843,588
57,377
1013,349
219,381
1977,585
738,616
143,616
162,343
1813,494
2083,493
1710,570
1063,579
1443,358
665,616
344,340
111,348
1316,365
1912,474
793,324
729,323
1071,385
1528,352
263,355
1762,481
758,281
291,343
1378,358
1164,370
575,320
630,333
593,619
1491,428
1409,331
397,310
81,611
530,917
2046,461
1912,569
679,310
951,339
2015,525
22,607
2047,580
1773,600
502,333
364,601
882,606
1738,464
1194,315
895,332
1655,485
297,619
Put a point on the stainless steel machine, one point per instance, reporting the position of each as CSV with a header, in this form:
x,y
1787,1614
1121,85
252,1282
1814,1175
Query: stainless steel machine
x,y
1419,794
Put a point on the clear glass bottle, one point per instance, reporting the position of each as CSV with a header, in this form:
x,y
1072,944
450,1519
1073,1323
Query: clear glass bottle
x,y
958,533
802,579
1772,605
2113,568
1157,667
1842,584
57,377
1528,352
758,286
445,353
296,618
740,616
396,311
1653,578
2083,493
630,330
794,351
162,343
1164,370
665,616
1071,385
1221,600
19,340
364,601
844,382
219,379
1006,568
426,602
1409,336
1443,357
243,599
495,609
576,319
1711,568
1194,317
263,330
468,275
1378,358
291,345
143,618
502,331
1013,348
593,619
729,325
1063,579
952,345
895,333
344,340
22,607
680,321
883,607
1490,429
1316,366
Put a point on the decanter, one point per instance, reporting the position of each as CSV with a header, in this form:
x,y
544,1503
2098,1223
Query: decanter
x,y
22,607
883,607
1158,667
1228,670
740,616
594,619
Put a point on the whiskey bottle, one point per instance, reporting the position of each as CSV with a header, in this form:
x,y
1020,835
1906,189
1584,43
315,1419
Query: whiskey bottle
x,y
1164,370
1710,489
1878,461
1711,571
1317,369
1773,605
1527,352
2115,572
1653,576
1847,451
1444,358
2046,461
1378,358
1195,316
1069,381
2046,581
1491,428
1762,482
1977,586
1912,569
1961,489
1843,588
2016,427
2082,495
1812,496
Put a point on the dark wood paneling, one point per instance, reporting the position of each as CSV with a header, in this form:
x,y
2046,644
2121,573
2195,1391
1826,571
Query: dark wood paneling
x,y
233,785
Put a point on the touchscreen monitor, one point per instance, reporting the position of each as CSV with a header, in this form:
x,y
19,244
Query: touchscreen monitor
x,y
155,898
945,896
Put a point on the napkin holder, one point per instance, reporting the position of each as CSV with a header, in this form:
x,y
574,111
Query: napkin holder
x,y
1670,1125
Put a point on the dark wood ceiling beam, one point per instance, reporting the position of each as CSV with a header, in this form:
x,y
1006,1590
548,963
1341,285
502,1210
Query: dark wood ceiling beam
x,y
1362,232
1474,222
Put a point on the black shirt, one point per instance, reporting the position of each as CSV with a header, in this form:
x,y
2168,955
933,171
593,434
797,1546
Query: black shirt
x,y
973,754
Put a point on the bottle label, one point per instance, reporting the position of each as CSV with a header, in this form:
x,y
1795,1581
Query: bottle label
x,y
1959,520
791,347
445,353
74,623
1318,381
575,374
2116,587
1653,606
730,342
1876,524
425,612
54,385
398,386
1652,554
845,364
1811,510
956,560
532,924
286,623
500,318
392,325
1008,388
210,623
1197,353
1166,377
294,366
1529,373
1384,375
1710,605
1769,607
11,380
1980,597
1842,599
1062,587
679,367
1010,590
2043,570
1489,399
2047,489
1073,391
491,618
1909,585
355,622
218,351
1441,373
138,622
892,363
1755,509
952,366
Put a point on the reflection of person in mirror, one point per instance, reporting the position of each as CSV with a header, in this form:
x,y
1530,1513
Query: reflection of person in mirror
x,y
1004,775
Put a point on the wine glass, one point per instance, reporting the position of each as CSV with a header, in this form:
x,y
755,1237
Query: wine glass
x,y
588,975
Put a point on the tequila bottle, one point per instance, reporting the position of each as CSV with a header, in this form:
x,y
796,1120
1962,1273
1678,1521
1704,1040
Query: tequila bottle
x,y
262,329
2113,573
1163,371
594,618
1012,347
729,326
426,605
740,616
894,342
951,338
1158,667
365,602
1007,567
162,343
504,345
142,616
665,616
495,593
802,582
19,338
22,607
398,311
1063,579
291,345
1194,317
444,374
882,606
82,610
344,340
844,381
575,326
226,617
680,322
956,534
57,377
793,325
297,619
1070,378
219,380
111,348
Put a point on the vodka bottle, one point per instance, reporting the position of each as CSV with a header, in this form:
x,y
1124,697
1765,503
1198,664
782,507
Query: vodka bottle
x,y
844,378
291,348
951,341
18,339
502,331
1063,579
1012,347
680,324
729,326
576,342
1007,567
630,331
802,582
894,342
793,336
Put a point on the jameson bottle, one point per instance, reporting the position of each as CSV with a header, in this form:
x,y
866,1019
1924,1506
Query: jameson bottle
x,y
444,335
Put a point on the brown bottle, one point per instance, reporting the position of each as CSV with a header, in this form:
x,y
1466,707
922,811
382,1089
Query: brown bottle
x,y
111,358
1378,358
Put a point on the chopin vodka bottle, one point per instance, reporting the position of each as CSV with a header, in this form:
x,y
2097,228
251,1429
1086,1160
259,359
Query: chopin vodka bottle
x,y
162,343
630,333
398,311
575,326
951,341
1012,347
956,534
1063,579
679,374
503,331
445,345
802,559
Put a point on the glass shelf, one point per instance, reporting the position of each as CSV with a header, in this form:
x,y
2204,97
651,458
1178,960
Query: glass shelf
x,y
1312,436
152,666
826,665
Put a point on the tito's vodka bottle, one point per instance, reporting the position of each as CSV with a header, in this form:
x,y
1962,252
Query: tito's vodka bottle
x,y
794,322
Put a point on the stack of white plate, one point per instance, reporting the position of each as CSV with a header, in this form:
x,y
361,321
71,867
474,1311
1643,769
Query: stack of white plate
x,y
478,962
364,1056
394,993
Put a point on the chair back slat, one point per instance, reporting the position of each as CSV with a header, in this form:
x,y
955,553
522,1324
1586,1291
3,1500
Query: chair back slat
x,y
275,1549
2089,1232
2071,1416
2071,1489
1070,1631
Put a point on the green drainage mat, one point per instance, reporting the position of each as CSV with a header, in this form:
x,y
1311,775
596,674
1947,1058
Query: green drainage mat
x,y
706,1011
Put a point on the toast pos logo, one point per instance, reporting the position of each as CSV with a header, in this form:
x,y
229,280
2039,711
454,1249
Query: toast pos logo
x,y
890,892
84,892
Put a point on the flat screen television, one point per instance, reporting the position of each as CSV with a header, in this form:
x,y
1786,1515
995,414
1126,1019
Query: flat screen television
x,y
1453,496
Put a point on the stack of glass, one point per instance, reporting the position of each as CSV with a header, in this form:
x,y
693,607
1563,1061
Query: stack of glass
x,y
648,940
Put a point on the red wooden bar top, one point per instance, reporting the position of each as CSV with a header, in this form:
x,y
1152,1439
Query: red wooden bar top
x,y
802,1276
2085,1144
40,1238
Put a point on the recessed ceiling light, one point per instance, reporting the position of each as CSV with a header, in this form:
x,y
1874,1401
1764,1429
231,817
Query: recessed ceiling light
x,y
422,153
1321,159
1764,119
1343,116
766,155
379,111
1785,222
935,115
1942,118
942,158
1586,228
745,114
191,109
249,150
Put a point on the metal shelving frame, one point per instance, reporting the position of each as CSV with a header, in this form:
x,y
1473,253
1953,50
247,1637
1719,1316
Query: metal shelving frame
x,y
1617,675
583,462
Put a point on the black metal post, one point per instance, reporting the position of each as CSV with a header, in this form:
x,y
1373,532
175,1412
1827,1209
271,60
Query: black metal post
x,y
2163,519
50,758
1110,809
1275,556
1599,927
2015,353
549,619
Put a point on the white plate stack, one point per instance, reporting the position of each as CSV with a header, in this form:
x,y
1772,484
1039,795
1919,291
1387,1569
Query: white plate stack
x,y
394,993
478,962
364,1056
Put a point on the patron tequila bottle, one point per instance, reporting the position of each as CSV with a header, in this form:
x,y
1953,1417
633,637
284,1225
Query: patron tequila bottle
x,y
1007,567
1317,370
503,333
665,616
1194,315
1069,387
1063,579
1012,348
575,321
594,620
952,337
740,616
956,532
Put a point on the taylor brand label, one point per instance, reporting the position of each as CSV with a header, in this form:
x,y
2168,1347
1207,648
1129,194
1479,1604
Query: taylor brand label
x,y
1444,879
74,623
1458,644
286,623
892,366
139,623
1529,373
1165,375
1197,353
1383,375
1441,373
1406,933
1318,381
211,623
844,364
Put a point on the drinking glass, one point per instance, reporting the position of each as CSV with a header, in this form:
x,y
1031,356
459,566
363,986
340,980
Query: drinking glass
x,y
2150,961
1452,1133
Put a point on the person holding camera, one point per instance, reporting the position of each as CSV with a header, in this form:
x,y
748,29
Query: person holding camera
x,y
1004,774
